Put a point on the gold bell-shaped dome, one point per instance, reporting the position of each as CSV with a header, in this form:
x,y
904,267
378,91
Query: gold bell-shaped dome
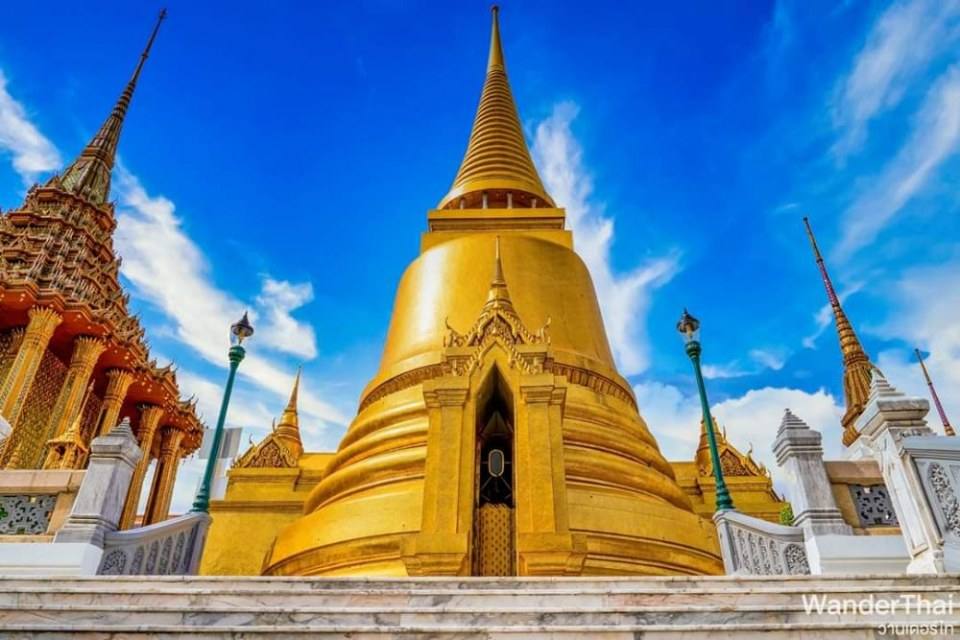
x,y
497,437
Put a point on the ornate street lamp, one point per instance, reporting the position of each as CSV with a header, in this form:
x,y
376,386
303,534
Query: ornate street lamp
x,y
689,327
238,333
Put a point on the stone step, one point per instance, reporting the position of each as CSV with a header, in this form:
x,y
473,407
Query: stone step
x,y
483,585
508,609
164,596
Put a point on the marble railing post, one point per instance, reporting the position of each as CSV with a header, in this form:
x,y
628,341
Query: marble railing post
x,y
889,419
99,503
118,383
158,505
799,453
19,379
149,420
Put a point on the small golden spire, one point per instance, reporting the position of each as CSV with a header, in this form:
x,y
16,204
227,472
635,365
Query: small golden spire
x,y
288,429
498,296
89,175
947,427
497,168
857,368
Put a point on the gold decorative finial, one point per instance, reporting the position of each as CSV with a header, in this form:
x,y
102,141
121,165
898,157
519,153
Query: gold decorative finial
x,y
857,368
288,429
495,59
89,175
498,296
497,170
947,427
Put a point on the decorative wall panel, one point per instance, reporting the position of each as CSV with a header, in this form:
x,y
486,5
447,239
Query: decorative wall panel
x,y
26,514
873,505
35,421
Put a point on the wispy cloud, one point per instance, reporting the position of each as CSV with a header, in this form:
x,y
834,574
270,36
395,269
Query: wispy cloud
x,y
279,329
170,272
824,316
31,151
759,360
624,297
898,48
935,137
924,303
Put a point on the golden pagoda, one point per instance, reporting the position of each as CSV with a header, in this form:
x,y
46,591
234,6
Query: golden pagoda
x,y
497,437
73,359
858,370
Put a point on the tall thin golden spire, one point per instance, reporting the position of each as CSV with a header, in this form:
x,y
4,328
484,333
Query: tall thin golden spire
x,y
497,170
947,428
857,368
288,429
89,175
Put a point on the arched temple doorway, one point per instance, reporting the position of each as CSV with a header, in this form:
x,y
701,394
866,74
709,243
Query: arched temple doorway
x,y
494,548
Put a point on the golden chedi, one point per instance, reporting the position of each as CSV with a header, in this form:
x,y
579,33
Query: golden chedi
x,y
497,437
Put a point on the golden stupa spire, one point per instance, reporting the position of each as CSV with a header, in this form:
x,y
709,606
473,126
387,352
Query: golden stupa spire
x,y
497,170
89,175
857,368
288,429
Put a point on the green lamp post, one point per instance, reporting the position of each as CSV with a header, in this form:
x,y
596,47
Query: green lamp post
x,y
689,327
238,333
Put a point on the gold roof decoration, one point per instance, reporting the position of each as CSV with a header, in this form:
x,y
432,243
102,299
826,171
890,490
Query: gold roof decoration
x,y
498,321
68,450
497,162
282,447
857,367
732,461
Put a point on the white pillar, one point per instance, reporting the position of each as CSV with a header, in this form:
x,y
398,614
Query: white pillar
x,y
99,503
799,452
892,422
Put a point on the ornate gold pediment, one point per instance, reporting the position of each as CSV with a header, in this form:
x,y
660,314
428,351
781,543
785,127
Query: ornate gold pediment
x,y
498,323
268,454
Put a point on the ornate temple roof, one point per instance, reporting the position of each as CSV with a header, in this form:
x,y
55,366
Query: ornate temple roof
x,y
732,461
857,367
497,161
56,250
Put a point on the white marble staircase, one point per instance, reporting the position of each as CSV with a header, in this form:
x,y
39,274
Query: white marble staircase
x,y
556,608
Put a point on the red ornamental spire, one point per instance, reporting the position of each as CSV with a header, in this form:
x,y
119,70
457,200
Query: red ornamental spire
x,y
89,175
947,428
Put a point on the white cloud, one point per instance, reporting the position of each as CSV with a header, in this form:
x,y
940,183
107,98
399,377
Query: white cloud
x,y
279,329
624,297
32,152
753,418
900,45
935,137
169,271
925,302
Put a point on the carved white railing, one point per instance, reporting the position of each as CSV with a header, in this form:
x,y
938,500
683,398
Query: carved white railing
x,y
169,548
751,546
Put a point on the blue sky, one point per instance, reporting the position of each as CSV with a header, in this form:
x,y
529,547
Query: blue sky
x,y
283,159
